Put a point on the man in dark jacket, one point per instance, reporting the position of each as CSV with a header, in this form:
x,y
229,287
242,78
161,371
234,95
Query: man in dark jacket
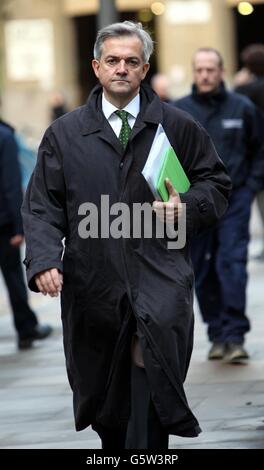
x,y
121,292
253,60
11,237
220,255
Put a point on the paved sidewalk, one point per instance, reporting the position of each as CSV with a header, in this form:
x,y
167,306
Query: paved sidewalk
x,y
36,401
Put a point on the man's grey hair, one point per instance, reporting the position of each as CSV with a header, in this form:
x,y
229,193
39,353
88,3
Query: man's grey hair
x,y
126,28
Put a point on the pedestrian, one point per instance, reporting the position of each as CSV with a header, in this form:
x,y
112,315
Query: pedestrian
x,y
11,238
58,105
253,59
160,84
220,255
242,77
127,310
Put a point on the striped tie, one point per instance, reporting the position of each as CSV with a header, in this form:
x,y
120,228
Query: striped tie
x,y
125,129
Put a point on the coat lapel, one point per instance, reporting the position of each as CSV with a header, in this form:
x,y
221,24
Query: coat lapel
x,y
150,111
94,120
107,134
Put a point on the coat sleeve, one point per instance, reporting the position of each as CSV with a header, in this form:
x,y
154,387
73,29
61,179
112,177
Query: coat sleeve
x,y
207,199
44,211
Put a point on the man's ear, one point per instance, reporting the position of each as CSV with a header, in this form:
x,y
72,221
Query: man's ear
x,y
145,70
96,65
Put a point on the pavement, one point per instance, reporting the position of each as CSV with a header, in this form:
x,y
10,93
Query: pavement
x,y
36,400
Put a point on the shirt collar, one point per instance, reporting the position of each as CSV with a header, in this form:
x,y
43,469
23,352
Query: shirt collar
x,y
132,107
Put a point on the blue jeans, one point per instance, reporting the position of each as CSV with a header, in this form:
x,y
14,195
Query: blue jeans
x,y
220,265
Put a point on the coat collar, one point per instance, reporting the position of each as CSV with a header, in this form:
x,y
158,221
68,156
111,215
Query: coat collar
x,y
211,97
93,120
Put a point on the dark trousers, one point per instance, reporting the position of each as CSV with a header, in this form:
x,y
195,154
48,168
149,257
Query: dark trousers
x,y
10,263
144,429
112,439
220,264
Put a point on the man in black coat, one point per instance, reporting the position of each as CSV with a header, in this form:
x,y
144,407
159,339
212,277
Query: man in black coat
x,y
253,60
11,237
126,299
220,255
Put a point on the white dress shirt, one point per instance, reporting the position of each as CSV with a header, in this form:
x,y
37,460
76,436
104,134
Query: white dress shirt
x,y
115,122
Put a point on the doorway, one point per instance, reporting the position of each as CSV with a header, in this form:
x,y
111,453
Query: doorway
x,y
248,29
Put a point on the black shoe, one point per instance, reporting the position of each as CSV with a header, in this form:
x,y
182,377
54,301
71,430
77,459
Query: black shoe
x,y
216,352
236,354
40,332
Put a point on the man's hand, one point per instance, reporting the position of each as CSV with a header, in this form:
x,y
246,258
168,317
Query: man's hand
x,y
49,282
169,211
16,240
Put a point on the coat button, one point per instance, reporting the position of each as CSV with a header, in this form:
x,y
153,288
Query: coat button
x,y
202,207
26,262
121,165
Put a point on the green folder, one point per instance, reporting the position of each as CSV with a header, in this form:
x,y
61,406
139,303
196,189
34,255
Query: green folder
x,y
171,168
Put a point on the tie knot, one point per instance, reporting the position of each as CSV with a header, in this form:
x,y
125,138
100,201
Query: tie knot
x,y
122,114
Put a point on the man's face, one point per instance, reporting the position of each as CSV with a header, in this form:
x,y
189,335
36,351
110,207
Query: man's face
x,y
207,71
121,69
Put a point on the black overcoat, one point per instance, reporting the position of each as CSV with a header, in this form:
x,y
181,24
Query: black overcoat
x,y
111,285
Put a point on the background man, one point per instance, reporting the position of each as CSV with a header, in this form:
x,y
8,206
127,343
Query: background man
x,y
220,255
160,84
11,237
253,59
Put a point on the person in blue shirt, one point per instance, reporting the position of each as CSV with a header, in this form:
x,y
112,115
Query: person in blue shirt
x,y
220,255
11,237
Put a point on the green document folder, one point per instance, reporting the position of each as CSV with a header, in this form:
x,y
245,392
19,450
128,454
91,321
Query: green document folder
x,y
172,169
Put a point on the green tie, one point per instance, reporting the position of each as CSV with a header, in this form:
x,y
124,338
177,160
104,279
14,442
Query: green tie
x,y
125,129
